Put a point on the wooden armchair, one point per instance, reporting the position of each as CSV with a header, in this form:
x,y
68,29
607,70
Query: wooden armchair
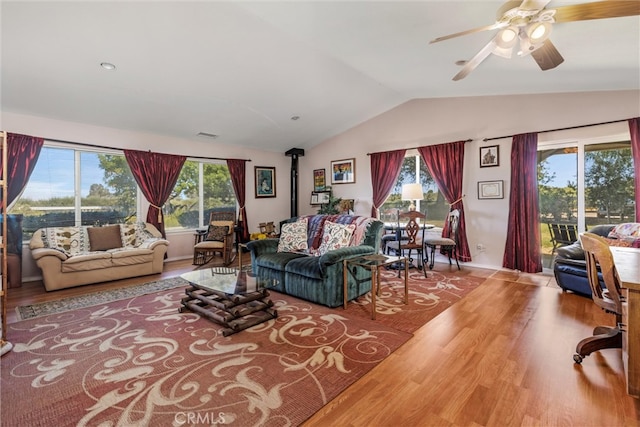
x,y
606,293
218,239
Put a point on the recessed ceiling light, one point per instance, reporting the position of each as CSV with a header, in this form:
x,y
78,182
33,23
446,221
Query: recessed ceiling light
x,y
107,66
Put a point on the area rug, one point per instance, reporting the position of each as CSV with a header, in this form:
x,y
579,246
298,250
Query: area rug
x,y
428,297
139,362
95,298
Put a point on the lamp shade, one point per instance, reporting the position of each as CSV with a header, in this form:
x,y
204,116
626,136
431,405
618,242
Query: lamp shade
x,y
412,192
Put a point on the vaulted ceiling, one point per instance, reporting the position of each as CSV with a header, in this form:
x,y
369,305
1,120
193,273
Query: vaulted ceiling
x,y
245,70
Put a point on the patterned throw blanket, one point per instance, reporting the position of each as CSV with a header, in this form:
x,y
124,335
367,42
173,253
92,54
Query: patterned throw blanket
x,y
316,226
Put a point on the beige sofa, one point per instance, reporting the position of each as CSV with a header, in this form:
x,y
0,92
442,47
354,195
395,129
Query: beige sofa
x,y
74,256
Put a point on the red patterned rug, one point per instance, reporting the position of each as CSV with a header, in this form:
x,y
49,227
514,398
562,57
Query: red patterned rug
x,y
428,297
140,362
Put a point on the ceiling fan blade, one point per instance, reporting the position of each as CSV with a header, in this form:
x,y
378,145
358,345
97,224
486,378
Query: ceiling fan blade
x,y
534,4
476,60
547,56
471,31
597,10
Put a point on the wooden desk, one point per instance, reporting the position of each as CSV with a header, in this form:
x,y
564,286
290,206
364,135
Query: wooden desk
x,y
627,262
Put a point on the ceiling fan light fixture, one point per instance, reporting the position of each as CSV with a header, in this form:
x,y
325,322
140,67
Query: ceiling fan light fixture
x,y
538,32
507,37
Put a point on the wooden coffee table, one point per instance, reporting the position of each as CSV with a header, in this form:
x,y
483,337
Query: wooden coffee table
x,y
230,297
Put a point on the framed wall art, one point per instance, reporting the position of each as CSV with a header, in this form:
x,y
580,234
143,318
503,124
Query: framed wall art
x,y
490,189
343,171
265,184
490,156
320,197
319,180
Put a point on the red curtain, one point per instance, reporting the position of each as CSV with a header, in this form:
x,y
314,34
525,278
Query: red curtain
x,y
445,163
634,130
522,249
238,171
385,169
156,175
22,155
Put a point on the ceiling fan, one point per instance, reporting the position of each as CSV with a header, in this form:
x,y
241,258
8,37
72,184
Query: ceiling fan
x,y
525,26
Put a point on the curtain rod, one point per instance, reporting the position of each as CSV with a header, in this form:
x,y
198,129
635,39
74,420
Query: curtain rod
x,y
84,144
559,129
410,148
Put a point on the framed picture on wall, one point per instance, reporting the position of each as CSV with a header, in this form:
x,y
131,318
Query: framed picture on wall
x,y
343,171
490,156
319,180
265,184
490,190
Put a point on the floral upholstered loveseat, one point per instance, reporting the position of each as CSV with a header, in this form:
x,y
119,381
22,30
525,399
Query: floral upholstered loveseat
x,y
74,256
306,261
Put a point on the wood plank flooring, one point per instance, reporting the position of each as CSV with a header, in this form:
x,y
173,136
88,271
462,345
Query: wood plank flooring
x,y
500,357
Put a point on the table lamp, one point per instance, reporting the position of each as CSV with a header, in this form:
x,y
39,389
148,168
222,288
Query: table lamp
x,y
412,192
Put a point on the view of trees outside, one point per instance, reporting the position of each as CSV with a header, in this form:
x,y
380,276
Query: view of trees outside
x,y
183,207
108,192
609,183
432,205
608,186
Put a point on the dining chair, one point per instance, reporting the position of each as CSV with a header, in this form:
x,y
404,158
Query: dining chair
x,y
606,293
448,243
409,237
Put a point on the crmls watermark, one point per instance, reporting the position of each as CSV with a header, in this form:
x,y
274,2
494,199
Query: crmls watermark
x,y
194,418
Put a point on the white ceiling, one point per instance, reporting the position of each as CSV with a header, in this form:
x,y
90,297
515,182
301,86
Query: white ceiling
x,y
241,70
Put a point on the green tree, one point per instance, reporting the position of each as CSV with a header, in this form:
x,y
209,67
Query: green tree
x,y
609,179
120,182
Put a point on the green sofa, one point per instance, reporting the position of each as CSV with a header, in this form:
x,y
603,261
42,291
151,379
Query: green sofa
x,y
317,279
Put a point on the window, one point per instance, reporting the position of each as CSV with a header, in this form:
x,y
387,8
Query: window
x,y
200,189
71,187
585,183
432,205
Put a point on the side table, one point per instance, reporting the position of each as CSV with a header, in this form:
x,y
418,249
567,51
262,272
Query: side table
x,y
373,263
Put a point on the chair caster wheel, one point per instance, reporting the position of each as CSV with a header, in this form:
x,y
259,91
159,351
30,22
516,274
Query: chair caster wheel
x,y
577,358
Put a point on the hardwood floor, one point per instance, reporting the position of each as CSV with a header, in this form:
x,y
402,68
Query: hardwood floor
x,y
502,356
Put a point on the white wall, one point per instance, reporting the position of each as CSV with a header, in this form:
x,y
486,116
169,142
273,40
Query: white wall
x,y
413,124
435,121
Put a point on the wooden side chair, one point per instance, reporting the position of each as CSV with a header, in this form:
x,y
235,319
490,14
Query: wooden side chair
x,y
448,243
411,239
217,240
608,295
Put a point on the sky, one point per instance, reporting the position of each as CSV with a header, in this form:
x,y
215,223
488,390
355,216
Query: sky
x,y
565,168
53,174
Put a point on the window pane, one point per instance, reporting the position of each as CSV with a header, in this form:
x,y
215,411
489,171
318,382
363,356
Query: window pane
x,y
48,198
218,190
182,209
432,205
557,192
108,189
609,183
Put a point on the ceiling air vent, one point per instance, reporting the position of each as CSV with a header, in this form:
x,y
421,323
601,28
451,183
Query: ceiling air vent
x,y
207,135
